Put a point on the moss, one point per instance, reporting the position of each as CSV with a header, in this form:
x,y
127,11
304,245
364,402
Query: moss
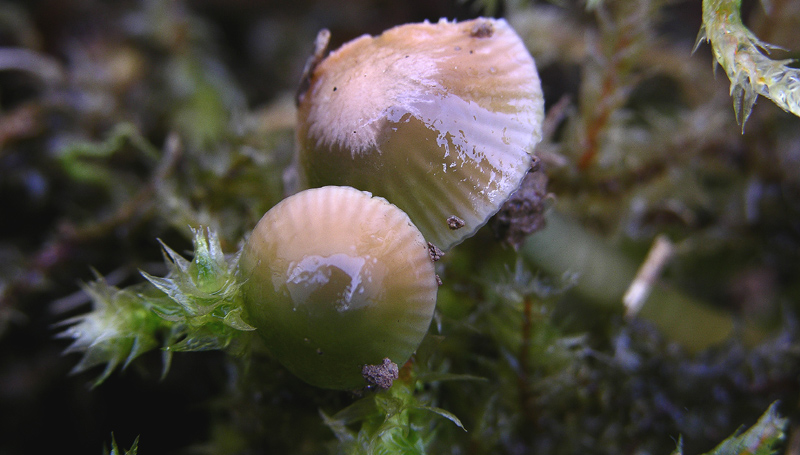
x,y
129,122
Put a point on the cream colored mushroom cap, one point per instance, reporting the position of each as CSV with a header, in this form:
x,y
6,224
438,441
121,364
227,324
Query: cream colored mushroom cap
x,y
336,279
438,118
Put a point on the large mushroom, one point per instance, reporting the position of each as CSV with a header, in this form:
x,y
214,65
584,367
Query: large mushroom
x,y
438,118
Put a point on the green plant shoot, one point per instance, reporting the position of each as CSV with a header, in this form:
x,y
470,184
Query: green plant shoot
x,y
751,72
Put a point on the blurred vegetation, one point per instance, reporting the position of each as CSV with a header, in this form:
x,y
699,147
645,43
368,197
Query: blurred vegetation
x,y
130,121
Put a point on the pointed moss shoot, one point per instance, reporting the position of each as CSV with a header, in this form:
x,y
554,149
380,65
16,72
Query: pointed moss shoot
x,y
397,420
115,448
760,439
120,327
204,302
751,72
196,307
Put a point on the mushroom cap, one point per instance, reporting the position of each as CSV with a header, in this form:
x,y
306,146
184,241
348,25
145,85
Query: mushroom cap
x,y
337,279
440,119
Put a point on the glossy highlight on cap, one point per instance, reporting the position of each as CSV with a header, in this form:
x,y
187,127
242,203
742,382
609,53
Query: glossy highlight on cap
x,y
337,279
438,118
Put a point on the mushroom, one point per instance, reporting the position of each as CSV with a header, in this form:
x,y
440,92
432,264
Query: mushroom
x,y
336,279
438,118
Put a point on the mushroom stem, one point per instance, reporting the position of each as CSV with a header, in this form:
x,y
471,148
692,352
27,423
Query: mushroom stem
x,y
605,274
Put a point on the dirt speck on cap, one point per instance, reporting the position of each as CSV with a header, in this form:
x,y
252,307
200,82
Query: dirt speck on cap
x,y
435,252
482,29
454,222
523,213
381,376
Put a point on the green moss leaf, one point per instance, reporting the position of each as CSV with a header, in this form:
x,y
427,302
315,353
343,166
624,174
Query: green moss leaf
x,y
120,327
204,296
115,448
751,72
444,413
760,439
196,307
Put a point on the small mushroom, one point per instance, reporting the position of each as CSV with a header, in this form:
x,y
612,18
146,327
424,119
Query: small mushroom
x,y
337,279
438,118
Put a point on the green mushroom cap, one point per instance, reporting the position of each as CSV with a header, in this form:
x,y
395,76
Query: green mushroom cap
x,y
335,280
